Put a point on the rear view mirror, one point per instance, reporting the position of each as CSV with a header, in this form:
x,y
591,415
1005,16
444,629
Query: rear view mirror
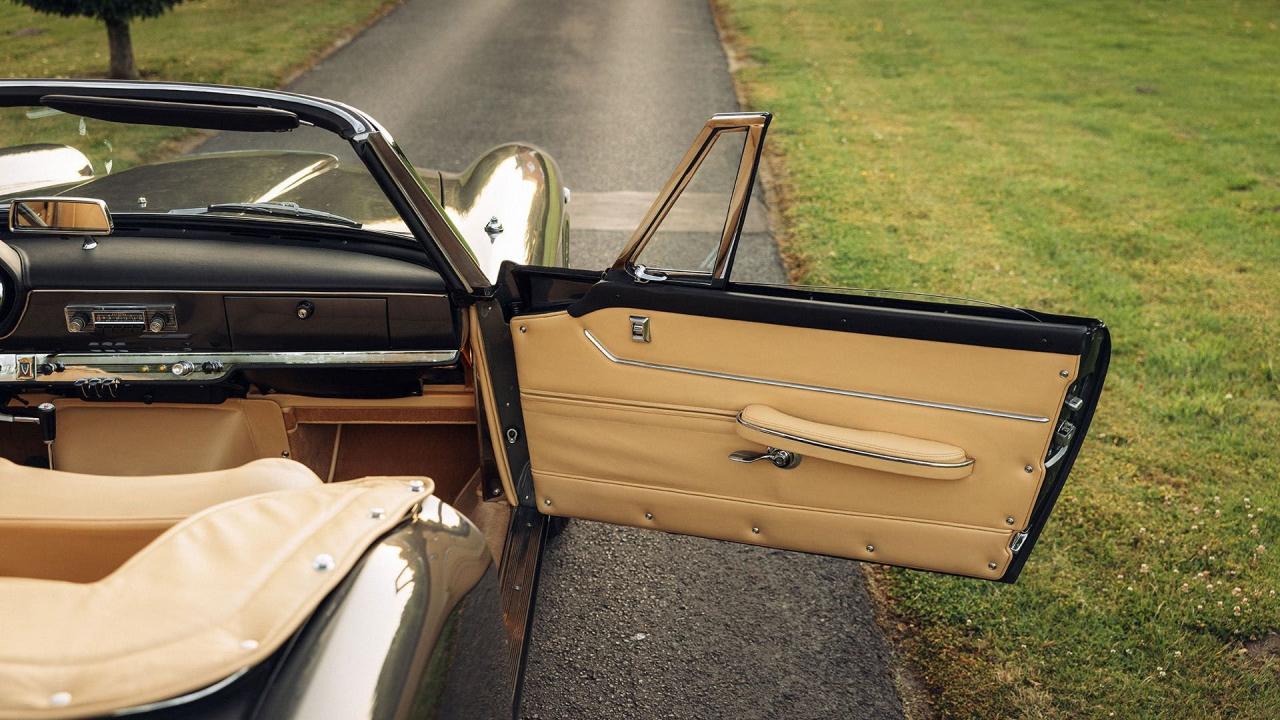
x,y
60,216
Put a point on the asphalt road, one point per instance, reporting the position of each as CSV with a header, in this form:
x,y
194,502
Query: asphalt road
x,y
630,623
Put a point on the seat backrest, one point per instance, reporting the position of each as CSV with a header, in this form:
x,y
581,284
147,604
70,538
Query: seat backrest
x,y
59,525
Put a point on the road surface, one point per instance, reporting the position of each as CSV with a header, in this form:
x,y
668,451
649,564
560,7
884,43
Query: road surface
x,y
629,623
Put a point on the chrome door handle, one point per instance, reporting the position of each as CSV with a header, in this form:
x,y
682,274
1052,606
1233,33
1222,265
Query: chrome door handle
x,y
643,274
784,459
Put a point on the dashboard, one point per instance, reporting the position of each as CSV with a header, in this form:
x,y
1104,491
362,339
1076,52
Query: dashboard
x,y
193,317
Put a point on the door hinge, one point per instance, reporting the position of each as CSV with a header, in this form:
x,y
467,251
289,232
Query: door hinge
x,y
1018,539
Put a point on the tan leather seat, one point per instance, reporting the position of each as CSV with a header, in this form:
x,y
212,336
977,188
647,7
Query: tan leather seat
x,y
76,527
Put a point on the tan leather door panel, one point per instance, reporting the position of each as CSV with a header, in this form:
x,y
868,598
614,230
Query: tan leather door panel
x,y
640,433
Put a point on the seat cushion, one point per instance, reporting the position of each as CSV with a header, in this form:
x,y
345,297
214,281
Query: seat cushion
x,y
71,526
218,592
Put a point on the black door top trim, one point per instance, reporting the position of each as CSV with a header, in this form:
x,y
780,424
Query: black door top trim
x,y
939,322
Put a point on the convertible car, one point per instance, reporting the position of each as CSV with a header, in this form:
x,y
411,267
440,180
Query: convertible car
x,y
286,419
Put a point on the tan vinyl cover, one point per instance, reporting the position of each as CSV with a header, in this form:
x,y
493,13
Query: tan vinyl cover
x,y
71,526
217,593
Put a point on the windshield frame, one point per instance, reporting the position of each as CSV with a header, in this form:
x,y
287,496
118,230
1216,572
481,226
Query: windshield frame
x,y
373,145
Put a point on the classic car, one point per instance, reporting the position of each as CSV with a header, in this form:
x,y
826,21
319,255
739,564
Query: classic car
x,y
287,418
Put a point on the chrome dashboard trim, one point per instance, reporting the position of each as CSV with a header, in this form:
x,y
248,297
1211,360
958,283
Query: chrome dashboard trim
x,y
106,367
813,388
852,451
26,304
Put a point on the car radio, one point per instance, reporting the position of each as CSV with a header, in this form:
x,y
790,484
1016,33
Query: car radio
x,y
121,319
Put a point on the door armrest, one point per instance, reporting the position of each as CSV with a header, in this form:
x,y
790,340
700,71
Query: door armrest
x,y
885,452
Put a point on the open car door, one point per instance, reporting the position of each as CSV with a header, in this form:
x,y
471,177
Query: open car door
x,y
928,434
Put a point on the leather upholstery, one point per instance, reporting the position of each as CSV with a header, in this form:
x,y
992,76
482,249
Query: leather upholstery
x,y
218,592
76,527
138,439
617,442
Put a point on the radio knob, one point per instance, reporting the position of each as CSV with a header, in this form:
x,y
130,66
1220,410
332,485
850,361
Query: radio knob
x,y
77,322
157,322
182,368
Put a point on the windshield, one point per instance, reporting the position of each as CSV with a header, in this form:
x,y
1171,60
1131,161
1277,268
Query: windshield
x,y
158,169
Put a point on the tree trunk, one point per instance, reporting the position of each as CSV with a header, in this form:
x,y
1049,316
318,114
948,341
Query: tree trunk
x,y
121,43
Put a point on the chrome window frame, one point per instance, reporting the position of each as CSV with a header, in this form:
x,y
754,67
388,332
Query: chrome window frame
x,y
755,125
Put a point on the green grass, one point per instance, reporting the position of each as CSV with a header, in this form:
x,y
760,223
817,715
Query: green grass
x,y
259,44
1114,159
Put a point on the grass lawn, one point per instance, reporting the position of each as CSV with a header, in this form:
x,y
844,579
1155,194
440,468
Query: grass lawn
x,y
221,41
1120,160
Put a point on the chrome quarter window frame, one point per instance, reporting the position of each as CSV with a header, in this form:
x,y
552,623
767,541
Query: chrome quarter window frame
x,y
754,125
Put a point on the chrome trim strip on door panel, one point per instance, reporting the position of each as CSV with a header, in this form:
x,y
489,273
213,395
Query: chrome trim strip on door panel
x,y
852,451
813,388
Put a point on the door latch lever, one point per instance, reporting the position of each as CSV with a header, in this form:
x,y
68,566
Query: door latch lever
x,y
784,459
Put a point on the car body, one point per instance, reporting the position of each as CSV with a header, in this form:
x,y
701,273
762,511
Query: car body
x,y
253,324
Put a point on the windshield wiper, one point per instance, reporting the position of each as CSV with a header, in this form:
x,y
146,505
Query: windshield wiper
x,y
275,209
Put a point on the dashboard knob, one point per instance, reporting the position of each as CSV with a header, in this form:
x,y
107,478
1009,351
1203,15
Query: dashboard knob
x,y
157,323
78,322
182,367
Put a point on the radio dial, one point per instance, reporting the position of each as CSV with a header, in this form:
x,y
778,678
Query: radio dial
x,y
78,322
157,323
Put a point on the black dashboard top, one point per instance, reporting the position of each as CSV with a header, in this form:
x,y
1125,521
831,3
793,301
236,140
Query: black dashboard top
x,y
216,263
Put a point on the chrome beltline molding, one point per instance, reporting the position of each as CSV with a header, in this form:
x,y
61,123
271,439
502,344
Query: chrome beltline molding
x,y
181,699
852,451
103,367
813,388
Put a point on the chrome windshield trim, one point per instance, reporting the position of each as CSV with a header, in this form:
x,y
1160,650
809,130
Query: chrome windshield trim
x,y
812,388
852,451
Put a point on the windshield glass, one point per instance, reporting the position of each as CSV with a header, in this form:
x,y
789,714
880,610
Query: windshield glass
x,y
157,169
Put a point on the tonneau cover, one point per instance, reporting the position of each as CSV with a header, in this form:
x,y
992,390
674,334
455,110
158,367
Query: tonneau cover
x,y
216,593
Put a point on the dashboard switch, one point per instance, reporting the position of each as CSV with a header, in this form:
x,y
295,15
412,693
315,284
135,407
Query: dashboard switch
x,y
182,368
